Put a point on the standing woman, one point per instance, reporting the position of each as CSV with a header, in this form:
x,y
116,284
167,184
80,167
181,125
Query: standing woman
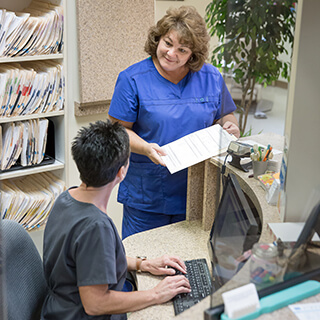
x,y
160,99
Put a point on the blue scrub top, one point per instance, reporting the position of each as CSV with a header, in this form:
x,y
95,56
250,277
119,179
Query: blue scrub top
x,y
163,112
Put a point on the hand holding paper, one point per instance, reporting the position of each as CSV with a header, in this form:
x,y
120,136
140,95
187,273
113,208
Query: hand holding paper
x,y
196,147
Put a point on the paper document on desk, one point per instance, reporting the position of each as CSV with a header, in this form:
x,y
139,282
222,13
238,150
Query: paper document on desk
x,y
306,311
289,231
196,147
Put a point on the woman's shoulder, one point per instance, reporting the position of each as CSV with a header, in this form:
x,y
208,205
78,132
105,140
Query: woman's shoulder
x,y
138,67
208,71
96,220
209,68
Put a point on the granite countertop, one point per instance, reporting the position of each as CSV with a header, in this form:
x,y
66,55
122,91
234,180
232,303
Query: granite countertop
x,y
188,239
185,239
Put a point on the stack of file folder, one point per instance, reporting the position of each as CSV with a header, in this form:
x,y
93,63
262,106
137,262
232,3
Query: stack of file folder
x,y
31,88
28,200
23,141
35,31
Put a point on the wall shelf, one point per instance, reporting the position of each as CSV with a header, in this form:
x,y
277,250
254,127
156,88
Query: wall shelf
x,y
31,170
57,163
32,116
55,56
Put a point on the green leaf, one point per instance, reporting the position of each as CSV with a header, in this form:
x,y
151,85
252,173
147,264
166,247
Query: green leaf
x,y
253,33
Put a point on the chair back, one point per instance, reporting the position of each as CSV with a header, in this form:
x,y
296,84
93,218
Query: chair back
x,y
24,283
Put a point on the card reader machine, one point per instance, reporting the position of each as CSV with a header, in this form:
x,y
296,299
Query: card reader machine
x,y
239,150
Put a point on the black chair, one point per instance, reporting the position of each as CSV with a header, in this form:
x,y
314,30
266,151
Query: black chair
x,y
24,283
131,281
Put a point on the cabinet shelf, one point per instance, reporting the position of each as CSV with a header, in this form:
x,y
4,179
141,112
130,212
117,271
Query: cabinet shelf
x,y
56,135
46,63
31,170
54,56
32,116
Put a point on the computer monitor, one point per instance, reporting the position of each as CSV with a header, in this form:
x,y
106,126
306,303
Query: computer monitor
x,y
234,231
311,226
301,259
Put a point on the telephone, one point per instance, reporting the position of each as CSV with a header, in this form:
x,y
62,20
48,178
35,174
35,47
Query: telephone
x,y
239,150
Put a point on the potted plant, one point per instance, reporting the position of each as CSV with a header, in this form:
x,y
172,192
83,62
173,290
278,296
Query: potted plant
x,y
252,36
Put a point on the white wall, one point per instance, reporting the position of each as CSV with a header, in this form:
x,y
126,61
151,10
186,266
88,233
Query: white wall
x,y
302,129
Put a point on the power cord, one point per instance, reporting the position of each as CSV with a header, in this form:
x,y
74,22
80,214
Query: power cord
x,y
223,167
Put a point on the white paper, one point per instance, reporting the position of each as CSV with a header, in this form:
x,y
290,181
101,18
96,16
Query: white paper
x,y
289,231
43,132
306,311
251,143
196,147
29,199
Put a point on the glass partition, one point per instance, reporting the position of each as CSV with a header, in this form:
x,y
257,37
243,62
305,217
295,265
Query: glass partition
x,y
237,55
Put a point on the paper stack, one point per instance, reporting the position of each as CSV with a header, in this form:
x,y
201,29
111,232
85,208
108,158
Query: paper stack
x,y
28,200
35,87
38,30
24,140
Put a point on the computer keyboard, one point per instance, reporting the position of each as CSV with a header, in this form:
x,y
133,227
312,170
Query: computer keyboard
x,y
200,281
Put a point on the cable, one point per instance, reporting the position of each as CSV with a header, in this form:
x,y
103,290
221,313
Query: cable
x,y
223,168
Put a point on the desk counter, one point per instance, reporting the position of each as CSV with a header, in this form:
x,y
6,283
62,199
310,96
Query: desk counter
x,y
188,239
185,239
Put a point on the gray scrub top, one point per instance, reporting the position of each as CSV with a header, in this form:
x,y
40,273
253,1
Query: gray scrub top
x,y
81,247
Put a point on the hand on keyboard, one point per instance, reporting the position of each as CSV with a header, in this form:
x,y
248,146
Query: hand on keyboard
x,y
201,286
163,265
170,287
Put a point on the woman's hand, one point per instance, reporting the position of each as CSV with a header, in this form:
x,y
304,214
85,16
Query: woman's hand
x,y
154,153
159,266
232,128
169,287
230,123
152,150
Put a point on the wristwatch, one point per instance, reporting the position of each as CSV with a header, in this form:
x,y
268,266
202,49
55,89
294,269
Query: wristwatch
x,y
139,260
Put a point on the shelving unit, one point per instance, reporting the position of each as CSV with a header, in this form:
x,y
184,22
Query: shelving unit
x,y
32,58
58,117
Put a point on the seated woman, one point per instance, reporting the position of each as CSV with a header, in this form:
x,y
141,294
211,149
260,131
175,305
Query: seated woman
x,y
84,259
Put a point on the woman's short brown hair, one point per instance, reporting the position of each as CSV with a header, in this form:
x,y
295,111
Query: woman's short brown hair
x,y
192,30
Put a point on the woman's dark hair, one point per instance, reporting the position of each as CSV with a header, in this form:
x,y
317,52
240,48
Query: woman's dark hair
x,y
99,151
190,26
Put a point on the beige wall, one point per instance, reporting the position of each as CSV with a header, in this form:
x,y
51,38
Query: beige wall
x,y
162,6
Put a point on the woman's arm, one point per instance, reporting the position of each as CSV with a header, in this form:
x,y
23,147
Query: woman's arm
x,y
98,300
230,123
140,146
158,266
